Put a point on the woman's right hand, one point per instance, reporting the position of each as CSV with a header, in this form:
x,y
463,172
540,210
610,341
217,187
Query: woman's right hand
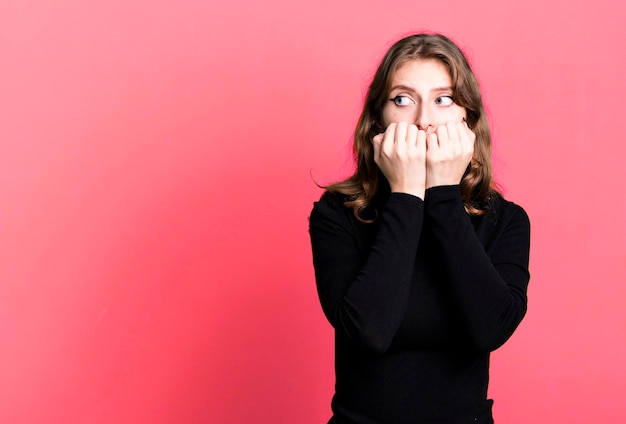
x,y
400,153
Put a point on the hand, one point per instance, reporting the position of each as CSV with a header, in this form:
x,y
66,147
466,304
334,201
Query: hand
x,y
400,153
449,151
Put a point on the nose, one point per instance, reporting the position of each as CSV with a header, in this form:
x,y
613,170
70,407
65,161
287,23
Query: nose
x,y
423,120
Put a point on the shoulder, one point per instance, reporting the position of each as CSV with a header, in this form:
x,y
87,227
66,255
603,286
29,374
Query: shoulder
x,y
503,212
331,199
505,223
330,209
505,232
330,215
330,203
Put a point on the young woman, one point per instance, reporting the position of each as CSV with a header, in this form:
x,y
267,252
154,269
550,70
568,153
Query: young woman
x,y
421,266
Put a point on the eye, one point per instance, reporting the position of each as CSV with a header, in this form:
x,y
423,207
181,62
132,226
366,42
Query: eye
x,y
444,101
402,101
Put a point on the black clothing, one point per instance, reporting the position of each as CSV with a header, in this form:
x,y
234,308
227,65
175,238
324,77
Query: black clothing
x,y
418,299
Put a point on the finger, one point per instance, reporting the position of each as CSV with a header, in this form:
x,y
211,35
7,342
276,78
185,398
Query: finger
x,y
431,142
443,136
453,131
421,139
411,140
454,143
411,134
469,131
466,136
387,144
465,126
400,137
421,143
390,130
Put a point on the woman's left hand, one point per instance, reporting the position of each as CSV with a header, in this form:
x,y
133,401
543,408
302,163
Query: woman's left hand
x,y
448,153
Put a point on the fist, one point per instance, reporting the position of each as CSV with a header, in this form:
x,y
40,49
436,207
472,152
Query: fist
x,y
449,151
400,153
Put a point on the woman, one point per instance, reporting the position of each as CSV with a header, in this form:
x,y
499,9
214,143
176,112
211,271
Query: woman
x,y
421,266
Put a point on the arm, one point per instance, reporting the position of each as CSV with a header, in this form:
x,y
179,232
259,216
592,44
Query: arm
x,y
487,286
365,297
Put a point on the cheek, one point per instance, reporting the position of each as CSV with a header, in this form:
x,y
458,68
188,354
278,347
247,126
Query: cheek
x,y
454,113
459,112
391,115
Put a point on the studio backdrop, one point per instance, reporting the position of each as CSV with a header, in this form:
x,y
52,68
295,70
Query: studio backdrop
x,y
159,160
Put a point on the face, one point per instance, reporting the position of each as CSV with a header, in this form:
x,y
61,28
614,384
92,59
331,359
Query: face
x,y
421,94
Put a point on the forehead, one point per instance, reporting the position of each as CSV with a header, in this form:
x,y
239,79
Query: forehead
x,y
422,72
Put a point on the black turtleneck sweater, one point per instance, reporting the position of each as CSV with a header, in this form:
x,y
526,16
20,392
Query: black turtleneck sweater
x,y
418,299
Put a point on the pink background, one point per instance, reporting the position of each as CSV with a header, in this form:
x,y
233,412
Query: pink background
x,y
156,174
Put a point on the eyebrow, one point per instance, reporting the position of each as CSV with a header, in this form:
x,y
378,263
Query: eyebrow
x,y
407,88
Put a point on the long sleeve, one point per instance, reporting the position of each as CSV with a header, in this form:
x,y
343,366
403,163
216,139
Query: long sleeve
x,y
418,299
364,294
485,266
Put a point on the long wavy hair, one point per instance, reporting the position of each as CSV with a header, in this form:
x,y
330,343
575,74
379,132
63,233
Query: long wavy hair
x,y
368,184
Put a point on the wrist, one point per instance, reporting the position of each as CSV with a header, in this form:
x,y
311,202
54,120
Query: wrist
x,y
414,191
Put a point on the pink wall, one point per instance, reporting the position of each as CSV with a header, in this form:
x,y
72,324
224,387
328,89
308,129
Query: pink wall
x,y
155,182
